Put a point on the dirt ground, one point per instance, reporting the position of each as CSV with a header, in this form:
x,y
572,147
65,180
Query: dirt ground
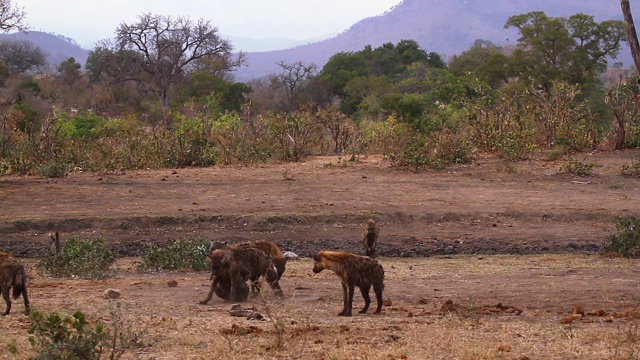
x,y
513,246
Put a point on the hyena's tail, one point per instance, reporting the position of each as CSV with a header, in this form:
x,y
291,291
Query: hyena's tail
x,y
19,283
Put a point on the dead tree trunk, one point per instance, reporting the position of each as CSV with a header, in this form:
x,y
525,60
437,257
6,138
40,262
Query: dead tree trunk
x,y
631,33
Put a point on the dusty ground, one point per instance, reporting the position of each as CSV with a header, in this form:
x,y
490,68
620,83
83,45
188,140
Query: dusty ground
x,y
551,225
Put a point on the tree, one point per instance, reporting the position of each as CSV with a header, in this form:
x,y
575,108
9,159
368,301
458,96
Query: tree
x,y
293,79
624,100
485,61
21,56
573,49
11,17
69,71
352,72
157,52
632,36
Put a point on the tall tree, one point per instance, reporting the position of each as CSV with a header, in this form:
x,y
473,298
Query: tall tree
x,y
157,52
485,61
293,78
11,17
69,71
21,56
632,35
573,49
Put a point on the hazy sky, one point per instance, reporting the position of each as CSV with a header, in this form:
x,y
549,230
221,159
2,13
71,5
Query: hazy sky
x,y
87,21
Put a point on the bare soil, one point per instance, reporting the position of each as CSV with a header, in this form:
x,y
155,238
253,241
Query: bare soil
x,y
513,246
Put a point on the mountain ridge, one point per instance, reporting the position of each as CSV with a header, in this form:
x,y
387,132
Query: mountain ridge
x,y
447,27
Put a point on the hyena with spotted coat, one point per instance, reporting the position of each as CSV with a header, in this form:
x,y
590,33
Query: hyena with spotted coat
x,y
223,277
13,275
269,248
238,265
370,238
353,270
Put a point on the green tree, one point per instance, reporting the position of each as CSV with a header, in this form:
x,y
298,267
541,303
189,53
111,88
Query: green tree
x,y
573,49
485,61
69,71
353,73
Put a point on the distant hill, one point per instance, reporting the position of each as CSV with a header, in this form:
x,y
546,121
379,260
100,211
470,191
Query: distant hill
x,y
447,27
268,44
57,48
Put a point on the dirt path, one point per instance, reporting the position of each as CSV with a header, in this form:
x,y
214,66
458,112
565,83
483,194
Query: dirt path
x,y
490,207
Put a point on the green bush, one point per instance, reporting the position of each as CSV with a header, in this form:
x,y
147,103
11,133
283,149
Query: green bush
x,y
52,170
577,167
188,254
84,258
632,169
60,336
627,242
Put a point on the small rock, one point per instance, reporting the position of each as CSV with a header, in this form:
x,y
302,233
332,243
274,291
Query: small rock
x,y
290,255
387,302
112,293
172,283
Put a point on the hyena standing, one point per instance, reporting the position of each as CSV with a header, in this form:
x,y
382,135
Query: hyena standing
x,y
12,274
370,238
353,270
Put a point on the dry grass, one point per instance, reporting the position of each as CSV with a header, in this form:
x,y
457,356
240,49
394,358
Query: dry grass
x,y
305,325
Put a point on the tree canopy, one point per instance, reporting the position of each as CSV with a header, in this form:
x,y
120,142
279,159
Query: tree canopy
x,y
157,52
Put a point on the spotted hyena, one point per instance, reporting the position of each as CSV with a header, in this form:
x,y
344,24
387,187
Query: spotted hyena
x,y
353,270
238,265
268,247
370,238
222,279
12,274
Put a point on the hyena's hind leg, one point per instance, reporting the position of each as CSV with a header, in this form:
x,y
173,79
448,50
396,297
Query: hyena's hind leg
x,y
364,290
20,288
377,288
7,300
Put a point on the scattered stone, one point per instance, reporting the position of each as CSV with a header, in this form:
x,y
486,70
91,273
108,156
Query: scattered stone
x,y
172,283
387,302
290,255
250,314
112,293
